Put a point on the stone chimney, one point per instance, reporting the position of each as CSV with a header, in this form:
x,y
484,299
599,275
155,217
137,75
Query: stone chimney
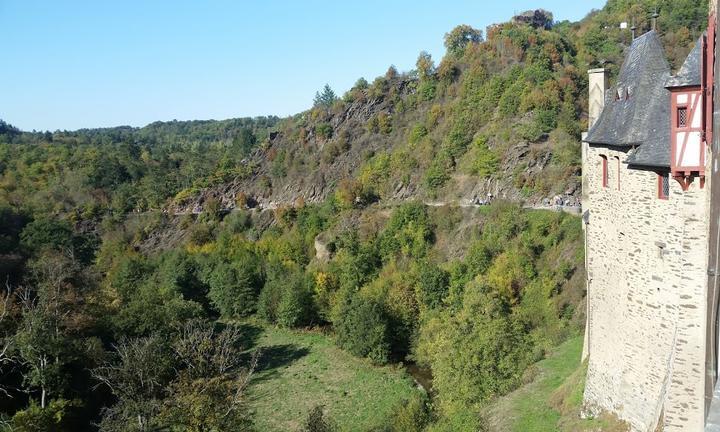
x,y
598,85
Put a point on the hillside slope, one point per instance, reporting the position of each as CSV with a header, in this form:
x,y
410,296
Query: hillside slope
x,y
499,116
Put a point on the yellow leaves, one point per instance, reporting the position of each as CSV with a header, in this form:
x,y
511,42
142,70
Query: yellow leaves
x,y
206,248
322,283
183,195
508,275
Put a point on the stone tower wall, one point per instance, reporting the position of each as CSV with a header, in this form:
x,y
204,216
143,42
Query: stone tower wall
x,y
646,260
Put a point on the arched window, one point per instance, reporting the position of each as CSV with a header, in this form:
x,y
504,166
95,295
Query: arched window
x,y
617,161
604,171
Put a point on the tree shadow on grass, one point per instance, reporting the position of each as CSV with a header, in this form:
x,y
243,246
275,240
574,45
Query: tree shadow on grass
x,y
274,358
249,333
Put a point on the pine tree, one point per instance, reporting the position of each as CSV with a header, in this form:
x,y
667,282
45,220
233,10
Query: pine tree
x,y
325,98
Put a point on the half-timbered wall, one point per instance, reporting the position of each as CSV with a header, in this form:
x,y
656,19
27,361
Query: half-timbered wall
x,y
687,149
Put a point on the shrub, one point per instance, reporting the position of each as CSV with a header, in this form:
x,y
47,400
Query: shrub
x,y
417,133
238,221
432,284
52,418
324,131
234,286
411,415
362,329
201,233
317,421
286,298
384,123
476,353
486,161
438,173
427,90
408,232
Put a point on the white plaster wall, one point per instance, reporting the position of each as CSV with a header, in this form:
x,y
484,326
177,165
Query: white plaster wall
x,y
646,261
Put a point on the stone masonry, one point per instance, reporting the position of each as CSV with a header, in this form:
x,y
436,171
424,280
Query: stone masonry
x,y
647,261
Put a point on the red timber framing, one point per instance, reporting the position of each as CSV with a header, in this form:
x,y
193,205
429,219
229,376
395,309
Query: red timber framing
x,y
708,83
683,117
711,88
684,133
708,79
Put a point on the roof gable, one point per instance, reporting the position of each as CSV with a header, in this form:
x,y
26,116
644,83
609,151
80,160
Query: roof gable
x,y
637,108
690,74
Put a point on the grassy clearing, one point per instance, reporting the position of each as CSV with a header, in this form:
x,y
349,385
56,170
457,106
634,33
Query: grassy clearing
x,y
300,370
552,401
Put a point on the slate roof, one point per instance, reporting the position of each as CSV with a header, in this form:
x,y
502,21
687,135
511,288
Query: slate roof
x,y
690,72
637,108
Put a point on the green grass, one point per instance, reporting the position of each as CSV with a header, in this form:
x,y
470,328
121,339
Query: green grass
x,y
300,370
552,401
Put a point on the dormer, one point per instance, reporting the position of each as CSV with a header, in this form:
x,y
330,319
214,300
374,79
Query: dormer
x,y
688,119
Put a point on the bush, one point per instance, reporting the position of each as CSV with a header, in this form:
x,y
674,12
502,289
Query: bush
x,y
432,285
438,173
362,327
324,131
486,161
238,222
201,233
476,353
286,298
384,123
408,232
417,133
52,418
411,415
427,90
234,286
317,422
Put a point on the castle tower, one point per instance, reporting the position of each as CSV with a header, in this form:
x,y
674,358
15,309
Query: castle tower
x,y
646,237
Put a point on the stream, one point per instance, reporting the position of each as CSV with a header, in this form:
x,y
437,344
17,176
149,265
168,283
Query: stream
x,y
422,376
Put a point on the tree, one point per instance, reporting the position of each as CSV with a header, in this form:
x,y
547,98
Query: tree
x,y
52,418
460,37
408,232
425,66
234,286
6,336
476,353
209,392
286,298
432,284
138,377
325,98
362,328
244,141
51,314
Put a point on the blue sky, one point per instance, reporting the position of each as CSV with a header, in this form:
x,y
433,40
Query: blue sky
x,y
97,63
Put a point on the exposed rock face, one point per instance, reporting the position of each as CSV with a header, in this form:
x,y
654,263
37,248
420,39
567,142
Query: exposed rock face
x,y
323,249
318,164
538,18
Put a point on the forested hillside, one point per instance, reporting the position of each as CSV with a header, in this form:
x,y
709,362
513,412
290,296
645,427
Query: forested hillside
x,y
153,276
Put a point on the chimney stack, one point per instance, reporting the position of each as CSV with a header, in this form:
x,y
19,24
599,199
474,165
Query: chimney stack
x,y
598,85
655,16
633,29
